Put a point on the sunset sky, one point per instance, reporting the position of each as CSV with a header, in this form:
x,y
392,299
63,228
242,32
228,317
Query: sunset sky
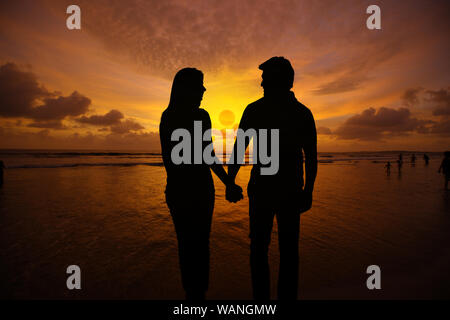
x,y
106,85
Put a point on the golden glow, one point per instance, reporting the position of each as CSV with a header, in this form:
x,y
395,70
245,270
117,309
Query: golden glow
x,y
128,64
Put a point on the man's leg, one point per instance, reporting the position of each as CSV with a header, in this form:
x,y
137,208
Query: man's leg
x,y
288,236
261,222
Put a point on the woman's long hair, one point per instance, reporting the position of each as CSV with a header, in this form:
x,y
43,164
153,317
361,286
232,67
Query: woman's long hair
x,y
186,81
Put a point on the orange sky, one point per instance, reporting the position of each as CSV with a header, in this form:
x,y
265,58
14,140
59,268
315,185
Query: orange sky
x,y
383,89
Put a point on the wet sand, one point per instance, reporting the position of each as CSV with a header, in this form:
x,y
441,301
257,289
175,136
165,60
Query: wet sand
x,y
113,222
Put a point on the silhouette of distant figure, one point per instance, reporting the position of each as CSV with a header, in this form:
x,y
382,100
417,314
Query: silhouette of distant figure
x,y
2,166
413,158
426,158
281,195
190,188
388,168
400,157
445,168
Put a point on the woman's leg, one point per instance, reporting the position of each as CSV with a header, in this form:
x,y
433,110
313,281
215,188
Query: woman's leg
x,y
193,225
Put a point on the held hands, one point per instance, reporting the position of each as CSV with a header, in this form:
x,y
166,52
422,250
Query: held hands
x,y
233,193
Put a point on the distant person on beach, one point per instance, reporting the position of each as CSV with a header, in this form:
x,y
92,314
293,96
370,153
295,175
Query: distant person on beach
x,y
399,164
413,158
388,168
426,158
190,188
445,168
400,157
2,166
284,194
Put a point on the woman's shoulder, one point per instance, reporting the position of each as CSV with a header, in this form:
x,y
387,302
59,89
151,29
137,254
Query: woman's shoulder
x,y
203,112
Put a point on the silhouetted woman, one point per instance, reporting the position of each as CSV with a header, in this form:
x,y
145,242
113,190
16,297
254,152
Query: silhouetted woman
x,y
190,187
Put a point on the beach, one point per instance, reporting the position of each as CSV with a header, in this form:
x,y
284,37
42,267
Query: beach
x,y
107,214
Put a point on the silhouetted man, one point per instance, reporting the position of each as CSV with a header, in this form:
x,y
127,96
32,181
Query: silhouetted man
x,y
2,166
282,194
445,167
426,158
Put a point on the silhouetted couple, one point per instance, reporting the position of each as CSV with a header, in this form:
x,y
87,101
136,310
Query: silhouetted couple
x,y
285,194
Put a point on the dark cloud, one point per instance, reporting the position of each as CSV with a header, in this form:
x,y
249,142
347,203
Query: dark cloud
x,y
411,96
324,130
441,128
111,118
18,91
441,99
126,126
57,125
12,138
21,96
374,125
61,107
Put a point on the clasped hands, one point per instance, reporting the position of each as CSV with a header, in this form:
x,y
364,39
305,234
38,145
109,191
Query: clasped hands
x,y
233,192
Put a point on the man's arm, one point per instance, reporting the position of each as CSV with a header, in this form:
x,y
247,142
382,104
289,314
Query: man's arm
x,y
235,191
233,169
310,150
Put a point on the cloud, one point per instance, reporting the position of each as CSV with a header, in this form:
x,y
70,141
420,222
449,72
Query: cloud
x,y
61,107
342,84
411,96
442,100
126,126
12,138
324,130
111,118
375,125
21,96
441,128
18,91
163,36
57,125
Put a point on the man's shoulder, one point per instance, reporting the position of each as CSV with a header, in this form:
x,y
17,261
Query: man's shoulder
x,y
300,106
303,110
255,104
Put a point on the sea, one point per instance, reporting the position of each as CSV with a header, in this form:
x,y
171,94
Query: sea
x,y
105,212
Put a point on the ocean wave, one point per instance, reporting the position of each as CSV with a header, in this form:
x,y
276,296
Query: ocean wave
x,y
74,165
80,154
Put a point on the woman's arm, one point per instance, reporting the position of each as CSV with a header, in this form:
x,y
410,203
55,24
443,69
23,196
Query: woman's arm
x,y
234,192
